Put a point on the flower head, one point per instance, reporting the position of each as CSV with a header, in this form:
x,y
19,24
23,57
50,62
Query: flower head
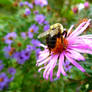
x,y
27,11
10,37
12,70
21,4
3,80
86,4
33,28
40,18
46,27
30,5
69,48
22,56
41,2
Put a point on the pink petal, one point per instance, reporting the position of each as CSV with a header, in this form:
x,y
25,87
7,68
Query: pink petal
x,y
82,29
50,66
75,63
76,30
82,50
70,29
44,61
60,66
76,55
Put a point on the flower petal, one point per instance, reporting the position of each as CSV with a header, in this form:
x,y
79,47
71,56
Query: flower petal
x,y
75,63
60,66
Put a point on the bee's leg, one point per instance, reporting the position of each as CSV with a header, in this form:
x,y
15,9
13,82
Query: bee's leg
x,y
65,33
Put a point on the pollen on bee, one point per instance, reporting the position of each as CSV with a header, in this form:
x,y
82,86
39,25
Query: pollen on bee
x,y
61,44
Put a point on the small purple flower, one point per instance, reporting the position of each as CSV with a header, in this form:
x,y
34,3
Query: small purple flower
x,y
41,2
35,43
36,12
86,4
3,80
30,5
29,48
40,18
7,50
33,28
9,37
30,35
21,4
26,54
11,71
19,58
27,11
26,3
46,22
23,34
46,27
67,66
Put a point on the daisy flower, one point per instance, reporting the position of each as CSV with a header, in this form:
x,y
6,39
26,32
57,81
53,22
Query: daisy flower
x,y
71,49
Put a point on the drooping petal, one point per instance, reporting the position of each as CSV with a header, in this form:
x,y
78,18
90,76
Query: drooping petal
x,y
60,66
75,55
50,66
44,61
75,63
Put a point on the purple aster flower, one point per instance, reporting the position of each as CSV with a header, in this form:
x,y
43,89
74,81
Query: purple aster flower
x,y
27,11
67,66
40,18
30,5
71,49
11,71
26,3
21,4
41,2
36,12
33,28
3,80
35,43
86,4
9,37
46,27
26,54
19,57
7,51
23,34
46,22
30,34
29,48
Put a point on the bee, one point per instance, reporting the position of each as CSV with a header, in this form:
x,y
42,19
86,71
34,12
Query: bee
x,y
55,31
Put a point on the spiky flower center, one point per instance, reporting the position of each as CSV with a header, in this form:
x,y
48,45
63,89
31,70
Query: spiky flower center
x,y
61,45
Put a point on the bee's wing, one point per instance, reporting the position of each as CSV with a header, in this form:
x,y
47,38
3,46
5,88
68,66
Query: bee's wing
x,y
44,34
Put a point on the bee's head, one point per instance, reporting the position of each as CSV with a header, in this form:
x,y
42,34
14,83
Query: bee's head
x,y
57,25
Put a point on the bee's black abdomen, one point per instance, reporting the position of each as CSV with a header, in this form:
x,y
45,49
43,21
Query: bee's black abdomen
x,y
51,41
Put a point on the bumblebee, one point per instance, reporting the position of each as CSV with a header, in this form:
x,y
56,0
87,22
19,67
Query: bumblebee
x,y
55,31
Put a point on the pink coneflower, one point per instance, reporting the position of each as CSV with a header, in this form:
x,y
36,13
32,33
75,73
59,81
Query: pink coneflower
x,y
71,48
